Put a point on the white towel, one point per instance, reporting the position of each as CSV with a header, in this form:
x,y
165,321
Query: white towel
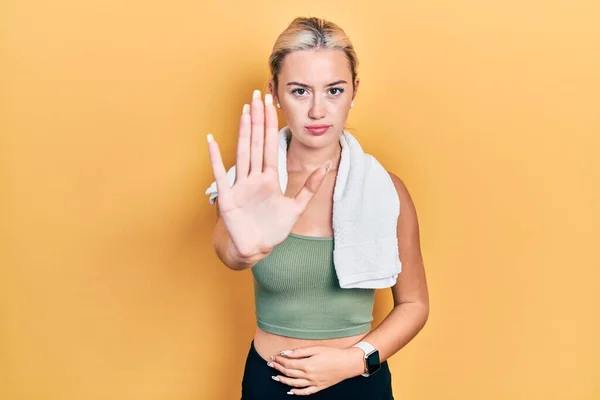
x,y
365,216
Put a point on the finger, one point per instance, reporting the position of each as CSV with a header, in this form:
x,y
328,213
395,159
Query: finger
x,y
289,363
217,166
299,383
257,135
243,148
313,183
302,352
271,154
305,391
292,373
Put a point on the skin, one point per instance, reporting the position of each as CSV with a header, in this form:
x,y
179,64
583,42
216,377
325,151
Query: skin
x,y
306,209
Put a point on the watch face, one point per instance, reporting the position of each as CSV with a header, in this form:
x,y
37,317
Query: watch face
x,y
373,364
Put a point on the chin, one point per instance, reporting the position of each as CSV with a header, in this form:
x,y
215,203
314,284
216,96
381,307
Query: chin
x,y
321,141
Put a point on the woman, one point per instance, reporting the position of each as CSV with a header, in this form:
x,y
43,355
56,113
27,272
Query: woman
x,y
312,337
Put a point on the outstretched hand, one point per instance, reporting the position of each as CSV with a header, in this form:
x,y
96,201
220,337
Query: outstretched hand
x,y
256,214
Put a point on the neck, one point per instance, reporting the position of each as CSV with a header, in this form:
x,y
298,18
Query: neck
x,y
301,158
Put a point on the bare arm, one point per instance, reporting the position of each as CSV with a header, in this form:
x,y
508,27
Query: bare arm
x,y
411,298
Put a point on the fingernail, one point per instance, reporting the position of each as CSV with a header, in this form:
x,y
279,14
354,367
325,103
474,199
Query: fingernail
x,y
270,364
328,165
210,137
290,392
273,358
285,352
275,378
268,99
246,109
256,94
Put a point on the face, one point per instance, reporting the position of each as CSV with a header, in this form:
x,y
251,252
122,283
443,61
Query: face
x,y
315,91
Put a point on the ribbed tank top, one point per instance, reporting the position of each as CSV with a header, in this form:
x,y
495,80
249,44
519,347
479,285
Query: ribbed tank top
x,y
297,293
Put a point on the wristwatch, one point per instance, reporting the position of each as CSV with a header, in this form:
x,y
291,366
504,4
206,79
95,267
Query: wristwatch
x,y
372,363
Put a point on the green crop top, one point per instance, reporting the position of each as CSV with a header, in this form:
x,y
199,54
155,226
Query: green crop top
x,y
297,293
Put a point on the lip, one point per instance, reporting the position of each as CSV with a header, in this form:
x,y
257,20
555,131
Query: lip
x,y
318,130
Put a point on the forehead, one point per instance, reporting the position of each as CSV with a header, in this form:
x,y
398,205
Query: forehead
x,y
318,66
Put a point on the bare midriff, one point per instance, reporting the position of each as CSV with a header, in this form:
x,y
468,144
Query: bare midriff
x,y
268,344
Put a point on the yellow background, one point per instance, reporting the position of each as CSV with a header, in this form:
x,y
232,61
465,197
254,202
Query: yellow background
x,y
109,289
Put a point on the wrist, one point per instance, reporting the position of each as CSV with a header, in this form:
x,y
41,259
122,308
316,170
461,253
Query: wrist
x,y
357,361
232,257
246,259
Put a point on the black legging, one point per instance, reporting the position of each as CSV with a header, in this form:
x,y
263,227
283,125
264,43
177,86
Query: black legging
x,y
257,384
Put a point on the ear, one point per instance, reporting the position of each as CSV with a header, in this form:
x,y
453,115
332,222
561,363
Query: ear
x,y
356,83
272,90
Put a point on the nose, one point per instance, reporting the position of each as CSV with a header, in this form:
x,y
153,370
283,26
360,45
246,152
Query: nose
x,y
317,108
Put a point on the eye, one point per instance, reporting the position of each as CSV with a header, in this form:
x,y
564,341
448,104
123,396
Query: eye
x,y
336,91
299,92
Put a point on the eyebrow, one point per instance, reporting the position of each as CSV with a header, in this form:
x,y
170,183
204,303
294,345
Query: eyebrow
x,y
307,86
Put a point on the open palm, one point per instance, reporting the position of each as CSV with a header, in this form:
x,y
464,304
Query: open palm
x,y
257,215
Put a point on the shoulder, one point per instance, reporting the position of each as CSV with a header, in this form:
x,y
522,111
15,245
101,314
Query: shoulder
x,y
399,185
406,202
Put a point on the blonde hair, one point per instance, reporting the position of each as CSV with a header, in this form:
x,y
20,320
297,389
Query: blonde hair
x,y
307,34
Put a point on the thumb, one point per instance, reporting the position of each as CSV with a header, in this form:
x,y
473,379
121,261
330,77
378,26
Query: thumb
x,y
302,352
312,185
